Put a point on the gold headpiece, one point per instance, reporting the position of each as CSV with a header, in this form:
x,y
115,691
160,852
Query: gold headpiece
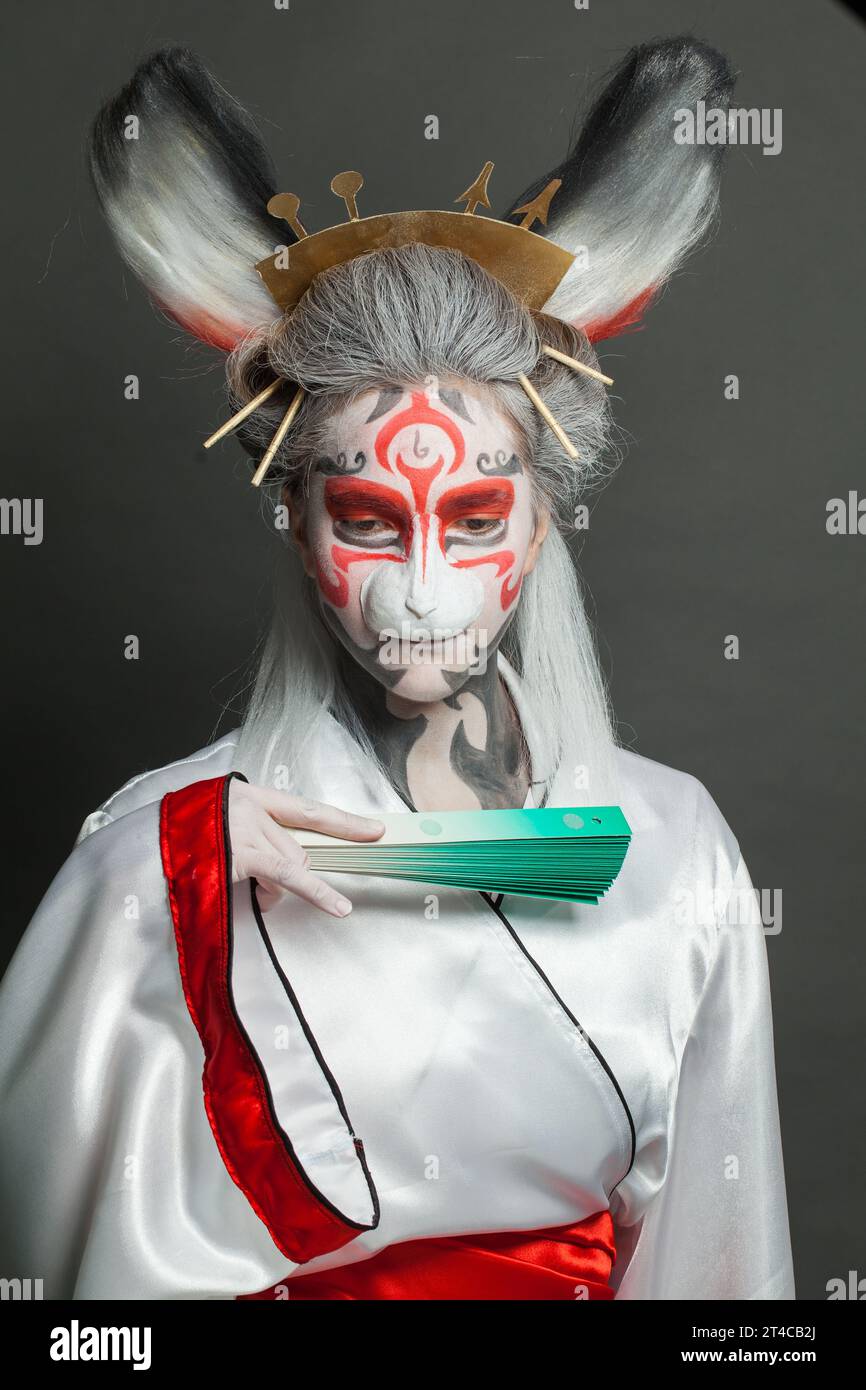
x,y
529,265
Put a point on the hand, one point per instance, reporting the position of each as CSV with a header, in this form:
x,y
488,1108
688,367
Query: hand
x,y
263,848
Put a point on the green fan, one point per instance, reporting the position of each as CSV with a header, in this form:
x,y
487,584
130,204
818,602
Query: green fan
x,y
570,853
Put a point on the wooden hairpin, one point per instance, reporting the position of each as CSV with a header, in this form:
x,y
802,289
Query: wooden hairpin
x,y
548,418
542,409
577,366
241,415
278,438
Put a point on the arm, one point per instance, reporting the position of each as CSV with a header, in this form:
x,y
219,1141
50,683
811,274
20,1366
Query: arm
x,y
111,1183
718,1227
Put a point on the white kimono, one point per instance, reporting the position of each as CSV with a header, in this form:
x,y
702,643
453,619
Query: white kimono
x,y
438,1063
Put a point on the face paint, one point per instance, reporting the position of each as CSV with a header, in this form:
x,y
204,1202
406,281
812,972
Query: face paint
x,y
419,526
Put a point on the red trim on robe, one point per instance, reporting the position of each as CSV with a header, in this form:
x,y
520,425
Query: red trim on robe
x,y
564,1262
196,862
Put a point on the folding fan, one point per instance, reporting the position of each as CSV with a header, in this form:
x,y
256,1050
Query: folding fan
x,y
571,853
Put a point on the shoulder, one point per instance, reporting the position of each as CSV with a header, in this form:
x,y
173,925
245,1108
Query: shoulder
x,y
145,788
675,815
115,866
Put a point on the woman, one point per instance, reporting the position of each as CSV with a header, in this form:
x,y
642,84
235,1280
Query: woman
x,y
407,1093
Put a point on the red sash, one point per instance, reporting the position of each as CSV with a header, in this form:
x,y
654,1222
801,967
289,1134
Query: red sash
x,y
564,1262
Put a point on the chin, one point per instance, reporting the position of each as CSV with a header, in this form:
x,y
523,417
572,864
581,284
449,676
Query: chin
x,y
427,681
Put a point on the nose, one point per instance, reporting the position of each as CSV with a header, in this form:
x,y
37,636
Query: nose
x,y
421,596
426,592
420,602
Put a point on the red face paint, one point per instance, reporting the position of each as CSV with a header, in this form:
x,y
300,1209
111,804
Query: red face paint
x,y
504,561
336,591
420,412
356,499
407,507
493,497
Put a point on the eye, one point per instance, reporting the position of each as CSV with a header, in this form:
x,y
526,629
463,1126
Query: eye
x,y
366,528
476,526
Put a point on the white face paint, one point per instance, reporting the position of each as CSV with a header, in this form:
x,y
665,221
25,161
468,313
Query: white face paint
x,y
419,528
426,595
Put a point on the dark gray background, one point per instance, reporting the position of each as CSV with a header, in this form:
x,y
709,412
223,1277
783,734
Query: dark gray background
x,y
714,525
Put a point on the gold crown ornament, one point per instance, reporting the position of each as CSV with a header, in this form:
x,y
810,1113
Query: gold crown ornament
x,y
529,265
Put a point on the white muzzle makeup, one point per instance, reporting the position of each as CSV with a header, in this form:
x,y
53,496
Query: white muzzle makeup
x,y
425,594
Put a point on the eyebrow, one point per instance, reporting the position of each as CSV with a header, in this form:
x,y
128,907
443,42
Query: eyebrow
x,y
363,496
490,499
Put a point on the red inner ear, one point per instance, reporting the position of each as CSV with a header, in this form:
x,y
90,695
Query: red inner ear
x,y
629,317
213,332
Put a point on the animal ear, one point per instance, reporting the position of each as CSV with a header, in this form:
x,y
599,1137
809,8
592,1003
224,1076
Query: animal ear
x,y
634,201
184,182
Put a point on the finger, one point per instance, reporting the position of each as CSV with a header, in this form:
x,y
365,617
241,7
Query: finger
x,y
268,894
303,813
284,844
293,876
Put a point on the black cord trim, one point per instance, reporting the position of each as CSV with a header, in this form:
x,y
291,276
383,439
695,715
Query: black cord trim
x,y
494,904
359,1147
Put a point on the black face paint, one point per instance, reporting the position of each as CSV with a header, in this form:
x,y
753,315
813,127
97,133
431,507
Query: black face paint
x,y
389,396
364,659
339,466
500,465
496,774
453,398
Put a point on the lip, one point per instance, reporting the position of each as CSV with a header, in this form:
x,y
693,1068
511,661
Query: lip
x,y
437,652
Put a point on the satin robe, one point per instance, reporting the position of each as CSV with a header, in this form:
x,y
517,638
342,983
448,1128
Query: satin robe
x,y
440,1063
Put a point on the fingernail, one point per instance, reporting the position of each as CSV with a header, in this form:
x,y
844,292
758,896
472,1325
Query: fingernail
x,y
343,907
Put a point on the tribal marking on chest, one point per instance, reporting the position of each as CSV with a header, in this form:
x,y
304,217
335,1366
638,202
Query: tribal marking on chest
x,y
467,757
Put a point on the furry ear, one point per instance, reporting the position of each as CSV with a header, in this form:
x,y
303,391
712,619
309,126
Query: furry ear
x,y
633,197
184,187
